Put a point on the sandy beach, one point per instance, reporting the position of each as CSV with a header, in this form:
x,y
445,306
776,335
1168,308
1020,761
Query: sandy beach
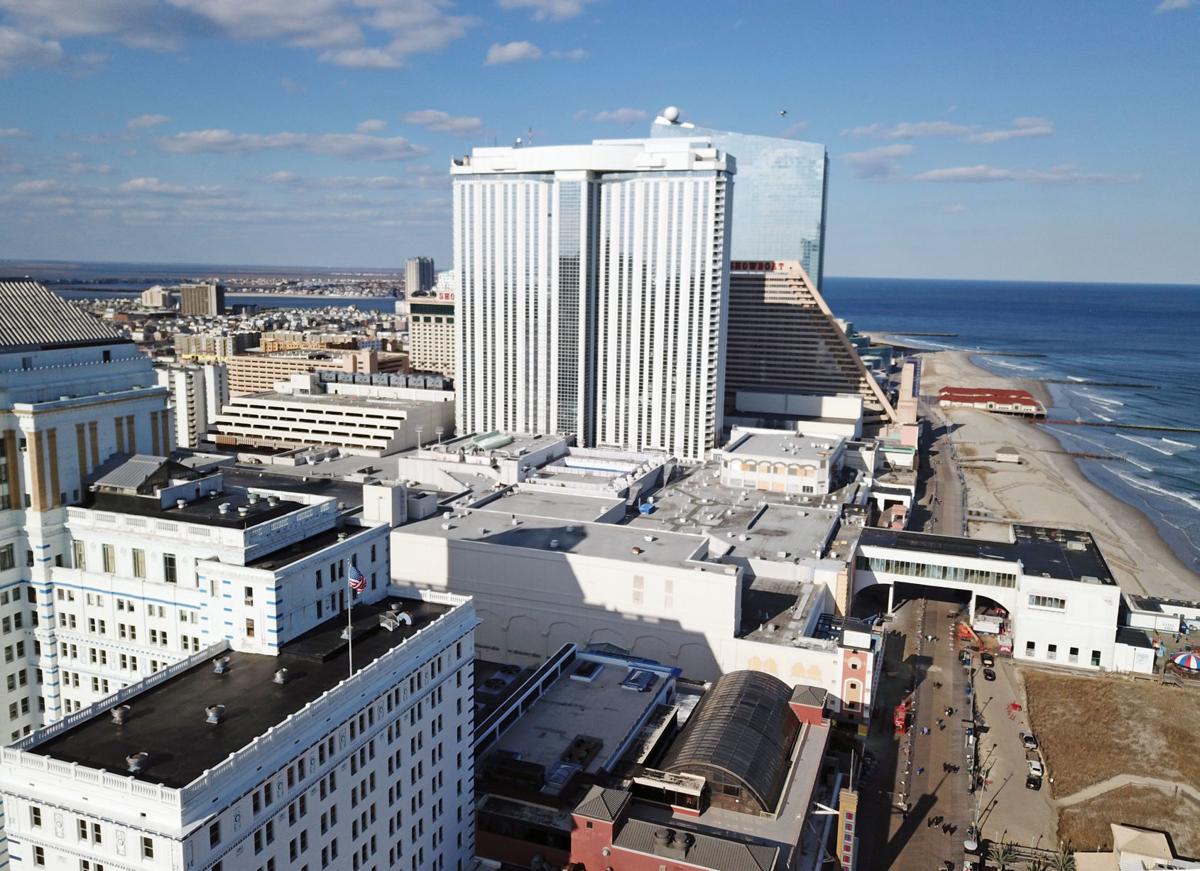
x,y
1047,488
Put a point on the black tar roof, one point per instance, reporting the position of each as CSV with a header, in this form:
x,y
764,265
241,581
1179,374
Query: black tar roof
x,y
305,547
204,511
168,720
1065,554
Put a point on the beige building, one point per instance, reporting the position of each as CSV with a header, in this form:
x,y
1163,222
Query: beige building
x,y
431,336
213,346
258,373
783,338
305,340
207,299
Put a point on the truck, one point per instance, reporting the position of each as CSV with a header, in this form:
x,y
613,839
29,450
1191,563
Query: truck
x,y
1033,759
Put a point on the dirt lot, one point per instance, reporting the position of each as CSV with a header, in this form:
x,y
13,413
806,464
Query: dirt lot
x,y
1093,728
1085,825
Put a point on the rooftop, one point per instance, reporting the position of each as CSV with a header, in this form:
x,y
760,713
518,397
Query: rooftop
x,y
1062,554
600,711
306,547
783,446
167,720
330,400
34,319
604,540
602,156
205,511
558,506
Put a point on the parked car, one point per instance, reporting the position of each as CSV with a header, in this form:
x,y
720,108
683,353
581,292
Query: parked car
x,y
1029,741
989,674
1034,783
987,659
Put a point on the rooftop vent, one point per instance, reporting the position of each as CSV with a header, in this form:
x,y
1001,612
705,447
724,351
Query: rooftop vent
x,y
648,538
181,503
554,544
120,714
243,510
223,508
635,550
214,714
272,500
221,665
253,498
137,762
281,676
391,621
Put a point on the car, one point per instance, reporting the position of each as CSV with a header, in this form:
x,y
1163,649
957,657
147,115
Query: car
x,y
964,657
1035,767
989,674
1034,783
987,659
1029,741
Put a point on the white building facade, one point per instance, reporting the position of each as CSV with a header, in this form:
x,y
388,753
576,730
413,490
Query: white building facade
x,y
333,767
198,393
592,292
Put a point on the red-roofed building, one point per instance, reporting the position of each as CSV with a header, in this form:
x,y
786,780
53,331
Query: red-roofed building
x,y
991,399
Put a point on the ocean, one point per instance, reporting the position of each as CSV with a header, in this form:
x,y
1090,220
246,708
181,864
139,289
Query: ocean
x,y
1144,335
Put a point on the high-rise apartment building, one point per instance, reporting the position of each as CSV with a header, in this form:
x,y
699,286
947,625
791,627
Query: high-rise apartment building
x,y
779,202
198,393
418,275
782,338
207,299
72,393
431,336
592,289
214,345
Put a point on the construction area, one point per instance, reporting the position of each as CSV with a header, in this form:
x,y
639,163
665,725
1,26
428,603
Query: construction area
x,y
1118,750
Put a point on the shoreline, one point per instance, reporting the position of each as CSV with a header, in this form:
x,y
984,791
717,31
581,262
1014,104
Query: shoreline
x,y
1048,487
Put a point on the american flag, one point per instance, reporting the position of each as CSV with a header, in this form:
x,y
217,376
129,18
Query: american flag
x,y
358,581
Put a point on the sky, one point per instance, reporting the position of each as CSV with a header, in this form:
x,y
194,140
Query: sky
x,y
1019,139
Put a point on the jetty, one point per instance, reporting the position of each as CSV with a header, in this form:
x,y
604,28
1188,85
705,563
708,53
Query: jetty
x,y
1104,424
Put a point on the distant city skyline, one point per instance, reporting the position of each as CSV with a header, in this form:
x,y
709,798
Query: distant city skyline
x,y
1018,142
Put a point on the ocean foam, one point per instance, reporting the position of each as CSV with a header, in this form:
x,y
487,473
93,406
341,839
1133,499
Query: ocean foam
x,y
1146,443
1150,487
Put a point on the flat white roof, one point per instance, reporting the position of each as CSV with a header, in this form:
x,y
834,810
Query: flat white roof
x,y
602,155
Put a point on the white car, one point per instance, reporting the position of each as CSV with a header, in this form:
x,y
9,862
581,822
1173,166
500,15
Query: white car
x,y
1029,741
1035,767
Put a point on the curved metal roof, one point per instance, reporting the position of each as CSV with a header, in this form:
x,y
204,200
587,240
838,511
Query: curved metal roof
x,y
743,727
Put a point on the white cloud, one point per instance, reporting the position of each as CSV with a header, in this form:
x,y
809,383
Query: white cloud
x,y
572,54
878,163
1173,5
551,10
954,209
437,121
352,182
795,127
21,51
1064,174
512,52
13,133
346,145
353,33
291,85
10,167
142,122
624,115
1022,128
909,130
371,125
150,185
36,186
76,165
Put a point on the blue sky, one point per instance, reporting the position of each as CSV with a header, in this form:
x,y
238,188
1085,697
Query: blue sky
x,y
1013,140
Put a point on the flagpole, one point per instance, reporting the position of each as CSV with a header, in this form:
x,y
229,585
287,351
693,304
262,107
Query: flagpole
x,y
350,621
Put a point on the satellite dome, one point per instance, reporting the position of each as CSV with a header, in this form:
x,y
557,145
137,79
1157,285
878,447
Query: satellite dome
x,y
671,113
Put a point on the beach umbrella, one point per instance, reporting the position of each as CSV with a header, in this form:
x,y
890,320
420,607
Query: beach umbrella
x,y
1187,660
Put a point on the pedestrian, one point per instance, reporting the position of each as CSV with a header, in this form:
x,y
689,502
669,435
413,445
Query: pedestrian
x,y
920,770
929,822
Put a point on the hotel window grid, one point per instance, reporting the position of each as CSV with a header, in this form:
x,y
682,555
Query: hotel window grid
x,y
169,569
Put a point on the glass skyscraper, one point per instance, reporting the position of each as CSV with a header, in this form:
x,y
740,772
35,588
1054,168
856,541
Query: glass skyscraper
x,y
779,199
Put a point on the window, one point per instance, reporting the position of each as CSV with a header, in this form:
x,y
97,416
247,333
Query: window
x,y
1096,658
248,595
249,628
1073,655
1051,602
109,558
147,848
169,568
39,857
7,557
1052,651
79,554
139,563
214,834
35,816
1030,647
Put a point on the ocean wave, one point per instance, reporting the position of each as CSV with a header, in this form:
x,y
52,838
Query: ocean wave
x,y
1183,446
1007,364
1151,487
1105,448
1103,417
1075,378
1095,398
1146,443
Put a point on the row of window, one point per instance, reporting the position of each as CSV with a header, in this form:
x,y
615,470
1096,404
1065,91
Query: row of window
x,y
935,572
1052,653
